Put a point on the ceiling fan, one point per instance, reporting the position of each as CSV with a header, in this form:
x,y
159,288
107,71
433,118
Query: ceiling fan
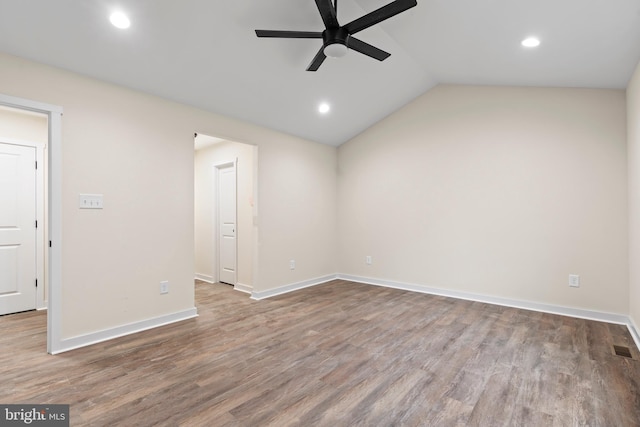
x,y
336,38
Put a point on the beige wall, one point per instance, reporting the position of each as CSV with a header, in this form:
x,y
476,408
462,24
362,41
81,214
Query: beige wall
x,y
24,126
302,183
494,191
137,150
633,135
205,251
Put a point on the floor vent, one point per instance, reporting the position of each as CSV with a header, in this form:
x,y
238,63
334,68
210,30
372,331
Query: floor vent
x,y
622,351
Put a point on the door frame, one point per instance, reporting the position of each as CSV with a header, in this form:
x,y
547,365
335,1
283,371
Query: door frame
x,y
54,174
40,147
217,166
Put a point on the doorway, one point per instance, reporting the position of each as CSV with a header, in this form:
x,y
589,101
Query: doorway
x,y
21,252
225,211
52,198
225,222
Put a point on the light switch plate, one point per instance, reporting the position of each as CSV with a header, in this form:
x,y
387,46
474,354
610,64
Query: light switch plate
x,y
90,201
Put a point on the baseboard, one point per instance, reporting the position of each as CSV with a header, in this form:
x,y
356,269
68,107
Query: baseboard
x,y
131,328
580,313
634,331
526,305
292,287
205,278
247,289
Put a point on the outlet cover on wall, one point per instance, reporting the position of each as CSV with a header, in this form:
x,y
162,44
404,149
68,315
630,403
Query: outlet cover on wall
x,y
368,260
164,287
574,280
292,264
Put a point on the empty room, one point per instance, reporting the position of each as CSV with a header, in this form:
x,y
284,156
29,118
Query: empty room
x,y
320,213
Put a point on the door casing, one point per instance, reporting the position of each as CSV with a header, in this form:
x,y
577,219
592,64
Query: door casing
x,y
54,174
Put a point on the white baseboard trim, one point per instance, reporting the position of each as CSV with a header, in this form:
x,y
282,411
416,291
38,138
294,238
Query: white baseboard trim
x,y
247,289
634,331
580,313
292,287
119,331
205,278
526,305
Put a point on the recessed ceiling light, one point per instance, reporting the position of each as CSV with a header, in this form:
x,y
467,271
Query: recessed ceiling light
x,y
120,20
324,108
530,42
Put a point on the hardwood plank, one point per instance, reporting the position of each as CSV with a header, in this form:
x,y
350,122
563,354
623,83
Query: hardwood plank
x,y
340,353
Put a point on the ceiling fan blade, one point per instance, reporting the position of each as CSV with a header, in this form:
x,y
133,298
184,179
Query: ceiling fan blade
x,y
328,13
367,49
379,15
317,60
289,34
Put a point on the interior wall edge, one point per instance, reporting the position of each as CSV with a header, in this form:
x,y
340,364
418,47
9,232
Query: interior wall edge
x,y
633,200
241,287
73,343
292,287
204,277
634,331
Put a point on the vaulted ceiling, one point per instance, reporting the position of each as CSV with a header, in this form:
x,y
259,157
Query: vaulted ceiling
x,y
206,54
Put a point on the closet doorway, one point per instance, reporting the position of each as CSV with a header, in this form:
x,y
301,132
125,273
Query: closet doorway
x,y
225,211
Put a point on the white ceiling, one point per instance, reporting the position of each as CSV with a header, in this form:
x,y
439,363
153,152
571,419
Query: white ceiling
x,y
205,53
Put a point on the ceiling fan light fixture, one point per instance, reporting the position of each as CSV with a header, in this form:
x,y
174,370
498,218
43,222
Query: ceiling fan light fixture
x,y
338,39
335,50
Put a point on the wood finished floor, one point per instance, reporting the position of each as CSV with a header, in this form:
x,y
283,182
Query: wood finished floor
x,y
338,354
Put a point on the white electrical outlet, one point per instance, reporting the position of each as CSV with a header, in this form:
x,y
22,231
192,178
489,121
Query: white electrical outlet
x,y
574,280
164,287
368,260
292,264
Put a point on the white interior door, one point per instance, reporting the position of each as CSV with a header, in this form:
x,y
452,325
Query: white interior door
x,y
17,228
227,224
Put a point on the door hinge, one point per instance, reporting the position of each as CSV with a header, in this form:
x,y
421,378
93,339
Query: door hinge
x,y
36,283
49,243
36,164
36,223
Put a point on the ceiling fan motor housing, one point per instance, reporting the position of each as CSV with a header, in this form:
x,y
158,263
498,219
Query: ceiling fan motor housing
x,y
335,42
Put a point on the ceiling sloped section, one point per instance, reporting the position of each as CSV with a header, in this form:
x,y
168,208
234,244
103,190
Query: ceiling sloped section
x,y
206,54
